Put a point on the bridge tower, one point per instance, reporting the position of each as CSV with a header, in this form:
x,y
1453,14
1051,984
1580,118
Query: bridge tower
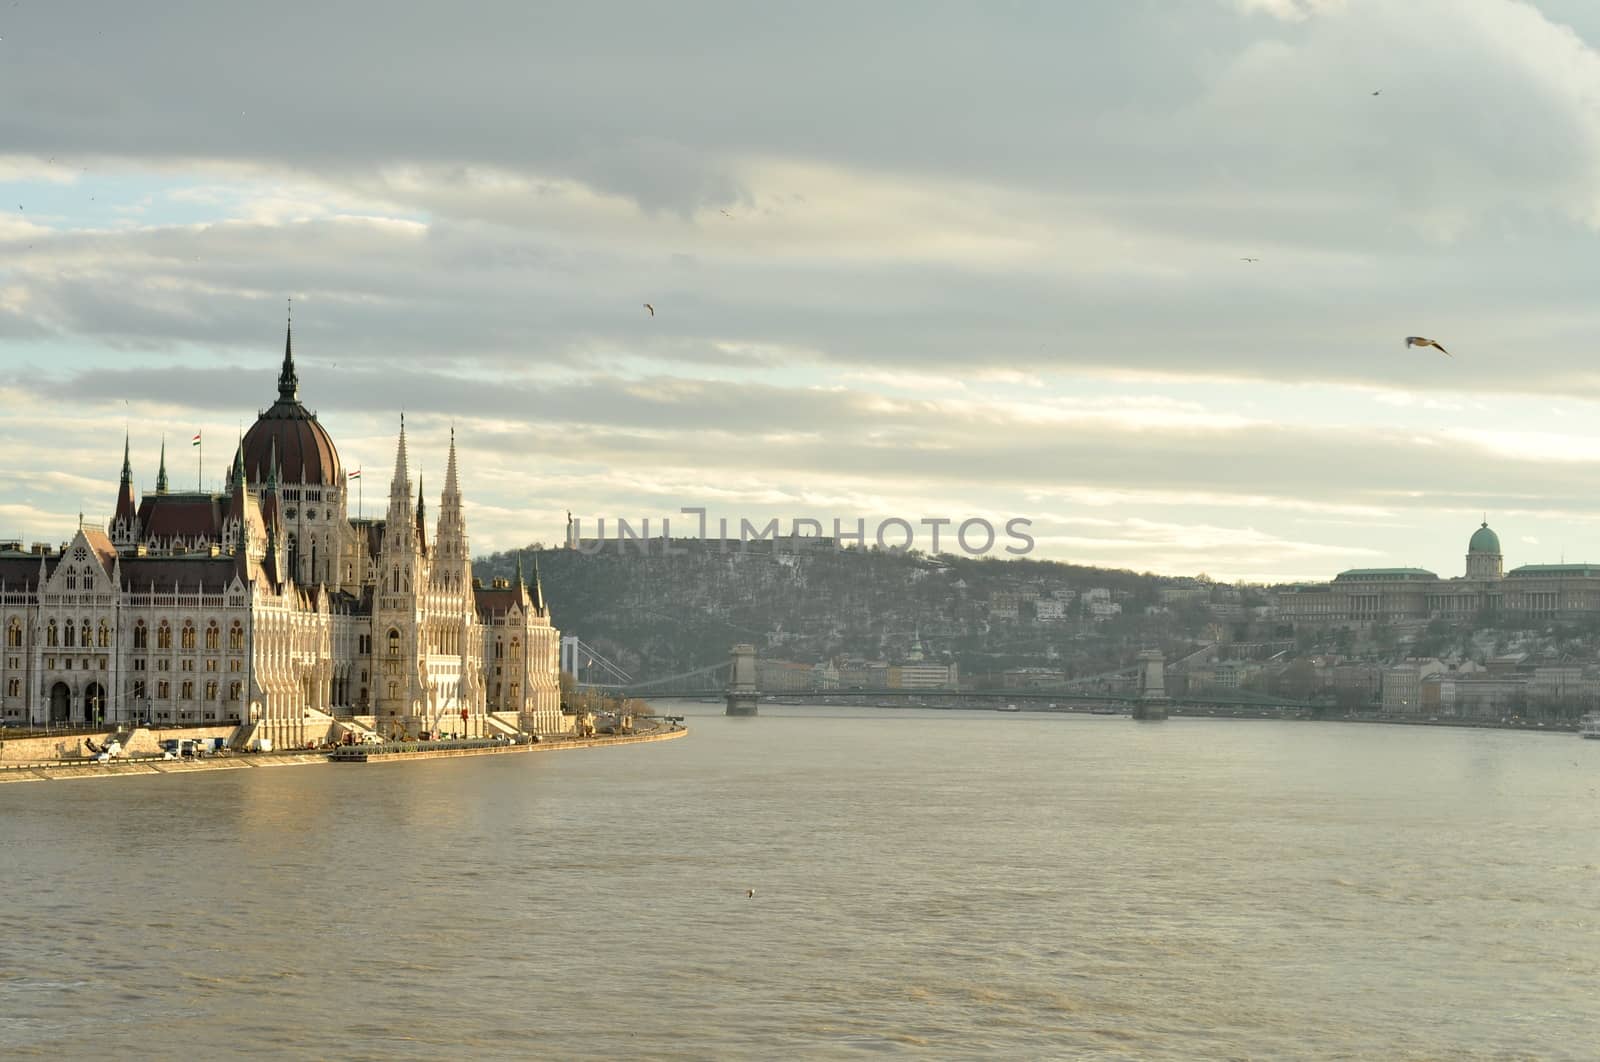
x,y
742,692
1152,702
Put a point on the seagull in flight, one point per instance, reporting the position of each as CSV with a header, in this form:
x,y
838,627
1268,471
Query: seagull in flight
x,y
1378,93
1418,341
1249,259
652,309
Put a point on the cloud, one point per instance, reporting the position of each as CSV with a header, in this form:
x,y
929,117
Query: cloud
x,y
1288,10
878,283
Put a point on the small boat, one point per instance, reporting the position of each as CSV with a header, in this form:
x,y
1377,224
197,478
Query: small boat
x,y
1105,709
1010,708
1590,726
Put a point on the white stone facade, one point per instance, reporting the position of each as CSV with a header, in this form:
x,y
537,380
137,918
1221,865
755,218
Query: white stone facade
x,y
268,605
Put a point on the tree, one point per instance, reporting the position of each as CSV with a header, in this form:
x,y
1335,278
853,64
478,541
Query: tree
x,y
1297,680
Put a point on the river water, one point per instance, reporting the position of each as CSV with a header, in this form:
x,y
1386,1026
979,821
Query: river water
x,y
936,884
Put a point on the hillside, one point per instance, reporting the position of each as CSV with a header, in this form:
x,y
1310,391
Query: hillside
x,y
661,614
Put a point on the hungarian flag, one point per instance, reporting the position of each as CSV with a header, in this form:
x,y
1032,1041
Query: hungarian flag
x,y
354,475
196,441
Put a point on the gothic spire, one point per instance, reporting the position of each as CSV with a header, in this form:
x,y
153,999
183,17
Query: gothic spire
x,y
452,489
288,380
400,518
538,587
422,505
237,497
161,474
450,542
126,510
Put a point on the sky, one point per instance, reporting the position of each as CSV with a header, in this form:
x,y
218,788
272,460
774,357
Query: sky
x,y
910,261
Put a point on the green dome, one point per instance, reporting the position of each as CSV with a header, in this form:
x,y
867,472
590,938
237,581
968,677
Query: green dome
x,y
1484,541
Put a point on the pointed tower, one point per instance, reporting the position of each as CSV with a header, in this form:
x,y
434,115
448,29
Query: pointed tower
x,y
452,561
241,555
237,503
288,379
125,524
422,519
161,474
398,696
401,519
537,591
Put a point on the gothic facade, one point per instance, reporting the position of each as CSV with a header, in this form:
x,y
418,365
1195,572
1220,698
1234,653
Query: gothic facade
x,y
268,605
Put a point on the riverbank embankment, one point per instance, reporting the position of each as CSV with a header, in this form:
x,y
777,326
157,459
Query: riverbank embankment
x,y
119,768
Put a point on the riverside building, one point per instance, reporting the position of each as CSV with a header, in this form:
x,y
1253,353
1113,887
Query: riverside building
x,y
268,605
1416,595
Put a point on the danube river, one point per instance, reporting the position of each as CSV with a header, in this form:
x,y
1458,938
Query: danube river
x,y
945,884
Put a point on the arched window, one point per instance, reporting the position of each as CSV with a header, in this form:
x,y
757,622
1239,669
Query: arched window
x,y
394,643
103,636
164,636
14,634
236,636
84,641
70,632
213,636
141,636
499,649
188,635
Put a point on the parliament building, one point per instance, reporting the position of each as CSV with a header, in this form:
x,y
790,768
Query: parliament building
x,y
267,605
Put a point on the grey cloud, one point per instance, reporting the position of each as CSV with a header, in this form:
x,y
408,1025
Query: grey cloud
x,y
481,295
750,433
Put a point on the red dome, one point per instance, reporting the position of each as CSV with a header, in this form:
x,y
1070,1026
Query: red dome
x,y
291,434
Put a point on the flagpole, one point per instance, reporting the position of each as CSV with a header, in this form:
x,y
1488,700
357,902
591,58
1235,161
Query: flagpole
x,y
200,463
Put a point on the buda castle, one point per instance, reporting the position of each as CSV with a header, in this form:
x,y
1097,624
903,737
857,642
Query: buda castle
x,y
267,605
1531,592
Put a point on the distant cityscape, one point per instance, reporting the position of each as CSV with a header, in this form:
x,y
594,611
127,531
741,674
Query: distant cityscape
x,y
1485,645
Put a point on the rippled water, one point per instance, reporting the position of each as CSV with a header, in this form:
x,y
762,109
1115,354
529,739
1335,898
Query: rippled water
x,y
942,884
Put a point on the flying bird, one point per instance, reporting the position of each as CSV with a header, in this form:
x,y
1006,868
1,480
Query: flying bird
x,y
1418,341
1249,259
652,309
1379,92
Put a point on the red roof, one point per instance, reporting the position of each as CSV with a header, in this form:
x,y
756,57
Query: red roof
x,y
303,449
190,574
190,517
100,543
